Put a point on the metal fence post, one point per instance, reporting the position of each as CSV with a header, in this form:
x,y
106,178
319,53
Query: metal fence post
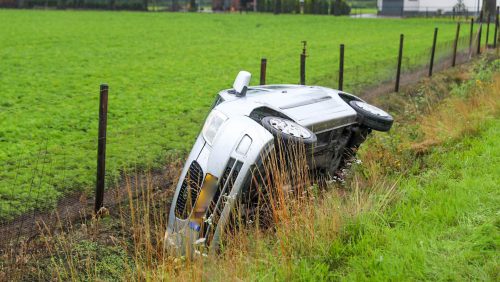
x,y
487,32
495,36
101,148
479,39
455,45
400,58
303,64
471,34
263,67
341,67
433,51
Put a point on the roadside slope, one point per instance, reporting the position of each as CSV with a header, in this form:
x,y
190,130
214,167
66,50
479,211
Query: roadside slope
x,y
446,226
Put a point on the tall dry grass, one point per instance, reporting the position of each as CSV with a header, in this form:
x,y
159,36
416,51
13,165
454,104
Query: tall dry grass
x,y
304,220
456,117
436,112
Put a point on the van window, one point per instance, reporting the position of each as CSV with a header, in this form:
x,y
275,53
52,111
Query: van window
x,y
217,101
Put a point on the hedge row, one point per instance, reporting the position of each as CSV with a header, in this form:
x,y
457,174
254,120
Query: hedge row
x,y
324,7
333,7
86,4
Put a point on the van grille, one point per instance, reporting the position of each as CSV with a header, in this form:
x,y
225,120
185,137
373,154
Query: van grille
x,y
224,187
189,191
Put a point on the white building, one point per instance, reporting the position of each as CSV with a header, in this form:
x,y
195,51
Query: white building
x,y
413,7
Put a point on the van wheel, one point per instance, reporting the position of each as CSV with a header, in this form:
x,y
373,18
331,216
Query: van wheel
x,y
372,116
288,130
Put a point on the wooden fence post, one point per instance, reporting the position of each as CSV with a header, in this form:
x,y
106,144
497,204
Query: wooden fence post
x,y
455,46
263,67
400,58
341,67
101,148
433,51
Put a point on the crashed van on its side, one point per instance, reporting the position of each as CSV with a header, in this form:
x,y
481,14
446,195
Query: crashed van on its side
x,y
241,129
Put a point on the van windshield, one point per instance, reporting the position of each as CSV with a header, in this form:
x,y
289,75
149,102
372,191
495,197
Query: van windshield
x,y
217,101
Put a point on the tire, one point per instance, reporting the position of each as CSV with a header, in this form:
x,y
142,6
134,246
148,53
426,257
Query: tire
x,y
299,133
349,97
371,116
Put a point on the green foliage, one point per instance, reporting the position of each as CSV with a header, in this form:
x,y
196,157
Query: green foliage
x,y
164,71
370,4
444,229
290,6
90,259
340,7
316,7
87,4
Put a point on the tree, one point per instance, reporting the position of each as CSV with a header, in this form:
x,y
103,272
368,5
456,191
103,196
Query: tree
x,y
340,7
192,6
460,7
489,8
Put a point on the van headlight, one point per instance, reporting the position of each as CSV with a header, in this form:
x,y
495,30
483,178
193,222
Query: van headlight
x,y
214,121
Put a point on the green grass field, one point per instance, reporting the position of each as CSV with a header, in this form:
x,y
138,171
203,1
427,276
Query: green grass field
x,y
163,71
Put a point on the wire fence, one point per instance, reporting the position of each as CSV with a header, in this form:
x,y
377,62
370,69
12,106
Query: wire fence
x,y
365,76
53,182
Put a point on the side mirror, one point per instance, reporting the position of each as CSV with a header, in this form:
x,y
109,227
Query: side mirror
x,y
241,83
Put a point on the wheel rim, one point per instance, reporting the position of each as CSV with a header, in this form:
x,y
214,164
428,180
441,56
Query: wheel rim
x,y
289,128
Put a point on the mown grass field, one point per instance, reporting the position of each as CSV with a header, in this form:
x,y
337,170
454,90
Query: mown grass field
x,y
163,71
